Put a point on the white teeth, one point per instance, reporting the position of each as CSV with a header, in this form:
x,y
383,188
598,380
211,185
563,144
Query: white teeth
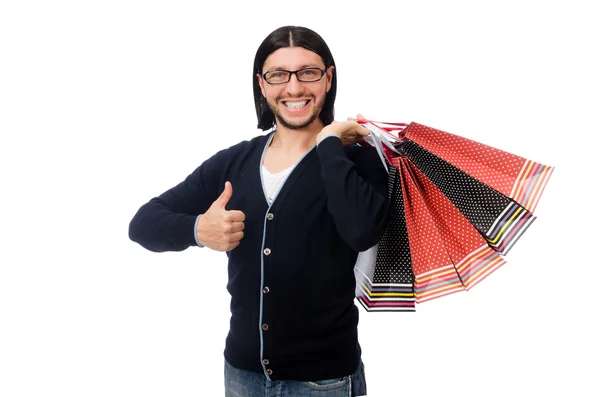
x,y
295,105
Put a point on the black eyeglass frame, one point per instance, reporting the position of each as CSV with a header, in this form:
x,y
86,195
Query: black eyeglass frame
x,y
291,72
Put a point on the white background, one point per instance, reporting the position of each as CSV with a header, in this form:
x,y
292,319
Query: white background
x,y
106,104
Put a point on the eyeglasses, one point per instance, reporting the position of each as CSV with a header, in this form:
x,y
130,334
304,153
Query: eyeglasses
x,y
307,75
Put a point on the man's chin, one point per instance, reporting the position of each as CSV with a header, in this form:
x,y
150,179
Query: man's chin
x,y
296,124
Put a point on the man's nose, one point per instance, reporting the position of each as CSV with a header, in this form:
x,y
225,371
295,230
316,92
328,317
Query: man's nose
x,y
294,86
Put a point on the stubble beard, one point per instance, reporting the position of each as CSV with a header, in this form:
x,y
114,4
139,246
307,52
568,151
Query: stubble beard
x,y
315,111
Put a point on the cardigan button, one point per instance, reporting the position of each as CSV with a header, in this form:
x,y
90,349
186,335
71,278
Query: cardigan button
x,y
266,290
265,362
265,327
267,251
269,372
270,216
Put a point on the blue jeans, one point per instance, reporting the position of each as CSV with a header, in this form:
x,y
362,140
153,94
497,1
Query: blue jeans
x,y
240,383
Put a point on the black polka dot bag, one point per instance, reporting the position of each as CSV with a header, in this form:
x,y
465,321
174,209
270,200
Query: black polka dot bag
x,y
457,207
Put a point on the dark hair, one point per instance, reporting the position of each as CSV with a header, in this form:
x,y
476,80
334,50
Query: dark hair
x,y
291,36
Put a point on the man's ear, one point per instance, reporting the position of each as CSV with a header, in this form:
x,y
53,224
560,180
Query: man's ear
x,y
329,74
261,84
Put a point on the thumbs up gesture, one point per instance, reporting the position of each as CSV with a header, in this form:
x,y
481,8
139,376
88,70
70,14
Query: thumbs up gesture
x,y
218,228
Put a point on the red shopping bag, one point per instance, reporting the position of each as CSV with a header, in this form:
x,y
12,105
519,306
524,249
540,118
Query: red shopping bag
x,y
457,207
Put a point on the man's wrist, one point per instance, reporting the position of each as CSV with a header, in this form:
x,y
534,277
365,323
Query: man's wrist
x,y
196,231
321,137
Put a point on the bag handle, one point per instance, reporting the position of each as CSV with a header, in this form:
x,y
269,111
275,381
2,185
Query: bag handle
x,y
383,136
389,129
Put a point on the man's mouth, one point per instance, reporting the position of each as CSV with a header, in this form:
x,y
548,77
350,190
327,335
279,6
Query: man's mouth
x,y
295,104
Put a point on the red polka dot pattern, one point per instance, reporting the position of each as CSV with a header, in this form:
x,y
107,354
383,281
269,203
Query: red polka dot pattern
x,y
457,206
491,166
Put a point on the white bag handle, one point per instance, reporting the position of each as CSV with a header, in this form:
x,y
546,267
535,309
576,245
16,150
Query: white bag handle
x,y
378,137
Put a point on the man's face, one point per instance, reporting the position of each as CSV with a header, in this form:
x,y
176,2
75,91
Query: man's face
x,y
295,104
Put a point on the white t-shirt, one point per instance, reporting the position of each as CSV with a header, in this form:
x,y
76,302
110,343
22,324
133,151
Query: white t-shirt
x,y
272,182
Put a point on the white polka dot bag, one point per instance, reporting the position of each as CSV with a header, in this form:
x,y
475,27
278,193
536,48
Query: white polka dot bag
x,y
456,208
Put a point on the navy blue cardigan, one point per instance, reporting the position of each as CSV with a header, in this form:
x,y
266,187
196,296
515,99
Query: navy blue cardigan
x,y
291,278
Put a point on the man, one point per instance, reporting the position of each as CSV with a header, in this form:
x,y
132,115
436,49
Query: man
x,y
292,209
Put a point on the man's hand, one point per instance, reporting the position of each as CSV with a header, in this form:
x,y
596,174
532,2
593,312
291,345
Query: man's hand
x,y
349,131
218,228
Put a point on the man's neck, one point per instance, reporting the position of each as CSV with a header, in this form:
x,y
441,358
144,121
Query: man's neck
x,y
291,140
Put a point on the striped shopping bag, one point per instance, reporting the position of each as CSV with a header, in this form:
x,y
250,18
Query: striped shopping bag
x,y
457,207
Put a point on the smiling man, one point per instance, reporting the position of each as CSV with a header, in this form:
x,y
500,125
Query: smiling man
x,y
300,104
292,208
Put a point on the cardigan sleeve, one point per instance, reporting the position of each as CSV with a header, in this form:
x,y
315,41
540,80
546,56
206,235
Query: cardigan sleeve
x,y
357,196
167,222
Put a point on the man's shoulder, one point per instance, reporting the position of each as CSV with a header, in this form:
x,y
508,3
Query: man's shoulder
x,y
242,148
359,152
250,144
365,157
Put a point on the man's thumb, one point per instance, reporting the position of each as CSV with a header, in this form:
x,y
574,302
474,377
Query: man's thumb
x,y
226,195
